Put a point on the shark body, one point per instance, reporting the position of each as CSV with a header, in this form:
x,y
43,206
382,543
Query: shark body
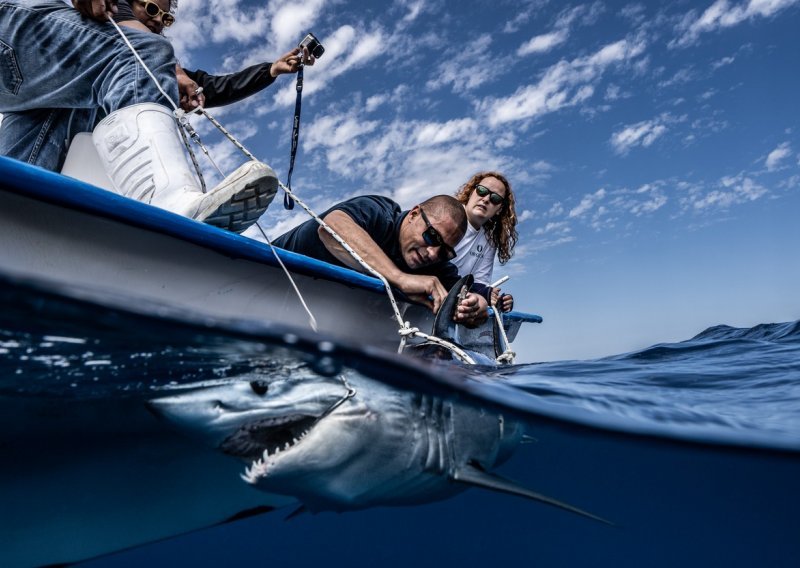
x,y
347,442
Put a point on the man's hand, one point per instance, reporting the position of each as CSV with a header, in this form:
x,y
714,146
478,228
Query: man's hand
x,y
472,311
426,290
190,99
290,62
100,10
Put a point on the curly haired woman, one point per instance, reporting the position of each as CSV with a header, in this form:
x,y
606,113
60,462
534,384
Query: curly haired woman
x,y
489,202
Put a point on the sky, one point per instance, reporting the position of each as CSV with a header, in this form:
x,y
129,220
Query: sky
x,y
652,148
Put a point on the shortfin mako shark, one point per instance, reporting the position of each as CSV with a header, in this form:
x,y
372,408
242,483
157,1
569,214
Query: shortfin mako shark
x,y
346,442
91,393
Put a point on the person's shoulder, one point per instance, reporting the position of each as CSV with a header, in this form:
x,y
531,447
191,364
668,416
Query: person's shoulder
x,y
375,204
377,200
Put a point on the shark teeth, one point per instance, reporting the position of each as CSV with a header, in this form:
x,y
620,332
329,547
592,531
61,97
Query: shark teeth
x,y
259,469
256,471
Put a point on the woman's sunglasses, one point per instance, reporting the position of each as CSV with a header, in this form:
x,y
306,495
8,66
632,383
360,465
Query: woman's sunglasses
x,y
494,198
432,238
152,10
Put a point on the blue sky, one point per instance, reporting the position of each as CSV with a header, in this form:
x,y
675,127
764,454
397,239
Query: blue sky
x,y
653,150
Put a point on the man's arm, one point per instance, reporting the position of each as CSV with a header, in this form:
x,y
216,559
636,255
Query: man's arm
x,y
96,9
420,288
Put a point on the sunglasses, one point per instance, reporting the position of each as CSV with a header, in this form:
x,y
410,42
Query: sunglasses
x,y
494,198
432,238
152,10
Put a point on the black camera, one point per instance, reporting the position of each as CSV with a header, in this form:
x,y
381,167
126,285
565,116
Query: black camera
x,y
314,46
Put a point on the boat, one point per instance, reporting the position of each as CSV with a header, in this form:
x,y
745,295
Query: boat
x,y
63,230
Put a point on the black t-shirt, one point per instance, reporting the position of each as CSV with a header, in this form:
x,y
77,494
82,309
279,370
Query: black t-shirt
x,y
381,218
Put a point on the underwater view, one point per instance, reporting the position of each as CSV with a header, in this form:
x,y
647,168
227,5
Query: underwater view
x,y
137,435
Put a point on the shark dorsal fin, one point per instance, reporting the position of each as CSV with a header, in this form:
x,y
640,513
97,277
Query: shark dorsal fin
x,y
474,475
443,325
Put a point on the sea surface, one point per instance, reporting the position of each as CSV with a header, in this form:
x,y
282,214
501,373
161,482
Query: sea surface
x,y
690,449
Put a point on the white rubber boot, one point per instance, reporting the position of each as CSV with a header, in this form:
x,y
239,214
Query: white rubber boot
x,y
141,149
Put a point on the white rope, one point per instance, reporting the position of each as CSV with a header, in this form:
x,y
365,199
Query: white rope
x,y
312,321
508,355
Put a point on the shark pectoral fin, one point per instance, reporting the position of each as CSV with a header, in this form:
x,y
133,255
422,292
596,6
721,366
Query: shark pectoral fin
x,y
247,513
474,475
296,513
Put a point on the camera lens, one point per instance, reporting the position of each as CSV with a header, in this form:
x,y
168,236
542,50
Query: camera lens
x,y
318,51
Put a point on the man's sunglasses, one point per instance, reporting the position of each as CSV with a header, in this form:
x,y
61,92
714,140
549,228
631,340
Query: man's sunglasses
x,y
432,238
494,198
152,10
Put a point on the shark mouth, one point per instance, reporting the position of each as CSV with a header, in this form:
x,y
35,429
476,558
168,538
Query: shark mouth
x,y
259,440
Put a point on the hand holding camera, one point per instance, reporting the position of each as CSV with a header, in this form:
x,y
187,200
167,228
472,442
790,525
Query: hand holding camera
x,y
306,53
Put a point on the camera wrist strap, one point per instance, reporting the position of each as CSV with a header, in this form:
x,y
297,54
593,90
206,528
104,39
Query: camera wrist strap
x,y
288,202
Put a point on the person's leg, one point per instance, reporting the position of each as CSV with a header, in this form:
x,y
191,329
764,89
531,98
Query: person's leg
x,y
53,58
56,58
36,136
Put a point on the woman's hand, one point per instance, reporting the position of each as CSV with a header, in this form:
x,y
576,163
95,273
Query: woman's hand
x,y
504,302
190,99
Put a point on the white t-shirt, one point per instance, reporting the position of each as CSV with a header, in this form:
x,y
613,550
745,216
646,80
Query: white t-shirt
x,y
475,255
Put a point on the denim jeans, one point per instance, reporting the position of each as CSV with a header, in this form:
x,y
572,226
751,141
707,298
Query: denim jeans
x,y
58,68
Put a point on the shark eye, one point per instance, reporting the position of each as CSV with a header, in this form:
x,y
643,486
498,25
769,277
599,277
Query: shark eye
x,y
259,387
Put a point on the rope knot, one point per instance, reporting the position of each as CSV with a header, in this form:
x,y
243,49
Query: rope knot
x,y
506,357
407,331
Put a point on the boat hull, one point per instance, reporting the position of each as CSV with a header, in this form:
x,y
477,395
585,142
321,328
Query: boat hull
x,y
91,239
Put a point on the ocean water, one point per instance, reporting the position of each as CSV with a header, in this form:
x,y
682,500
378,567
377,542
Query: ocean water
x,y
690,449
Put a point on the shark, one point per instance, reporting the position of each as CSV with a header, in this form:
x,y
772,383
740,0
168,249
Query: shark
x,y
347,442
95,412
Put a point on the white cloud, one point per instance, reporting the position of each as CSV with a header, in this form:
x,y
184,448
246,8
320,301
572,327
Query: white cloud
x,y
346,48
587,203
640,134
275,27
556,210
731,190
457,70
775,157
291,20
724,14
437,133
722,62
681,76
414,9
564,84
559,228
584,14
524,11
544,42
648,198
408,159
